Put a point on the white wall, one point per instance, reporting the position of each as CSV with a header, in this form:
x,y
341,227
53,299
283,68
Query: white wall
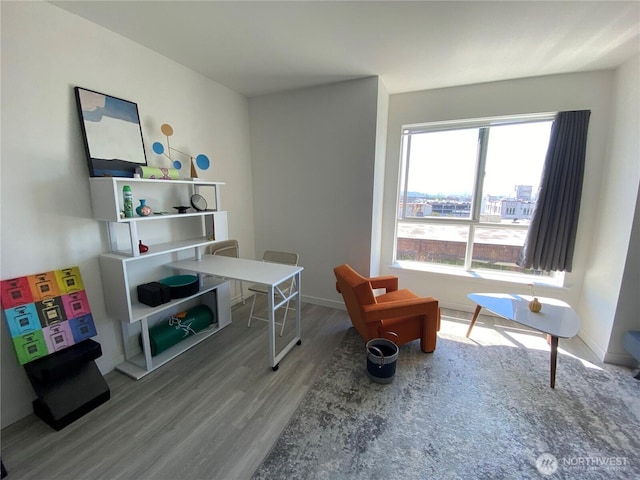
x,y
610,303
628,309
313,156
378,179
46,218
593,91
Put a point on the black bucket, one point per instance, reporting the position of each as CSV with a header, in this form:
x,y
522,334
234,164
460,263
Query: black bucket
x,y
382,355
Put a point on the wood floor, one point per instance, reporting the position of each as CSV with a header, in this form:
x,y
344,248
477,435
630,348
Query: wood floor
x,y
212,413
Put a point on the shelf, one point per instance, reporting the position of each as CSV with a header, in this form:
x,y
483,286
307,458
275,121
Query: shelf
x,y
135,367
214,227
122,273
106,197
166,216
140,310
155,181
162,248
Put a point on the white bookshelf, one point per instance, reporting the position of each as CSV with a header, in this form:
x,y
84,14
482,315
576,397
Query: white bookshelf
x,y
123,269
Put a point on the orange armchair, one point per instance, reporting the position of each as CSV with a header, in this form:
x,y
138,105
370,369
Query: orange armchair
x,y
399,311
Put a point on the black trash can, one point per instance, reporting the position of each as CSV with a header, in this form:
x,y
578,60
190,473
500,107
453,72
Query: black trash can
x,y
382,355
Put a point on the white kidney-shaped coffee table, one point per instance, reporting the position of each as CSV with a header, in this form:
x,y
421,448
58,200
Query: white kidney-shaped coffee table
x,y
556,318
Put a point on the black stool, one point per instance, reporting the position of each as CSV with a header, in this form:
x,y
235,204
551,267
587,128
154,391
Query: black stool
x,y
68,384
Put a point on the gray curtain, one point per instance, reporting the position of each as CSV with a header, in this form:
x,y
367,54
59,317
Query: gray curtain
x,y
552,233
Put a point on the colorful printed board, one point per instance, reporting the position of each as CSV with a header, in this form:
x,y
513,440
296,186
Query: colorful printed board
x,y
46,312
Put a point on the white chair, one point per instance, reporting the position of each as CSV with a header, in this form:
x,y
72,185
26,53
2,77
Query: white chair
x,y
228,248
281,291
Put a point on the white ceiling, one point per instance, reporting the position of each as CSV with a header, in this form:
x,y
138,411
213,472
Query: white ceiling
x,y
267,46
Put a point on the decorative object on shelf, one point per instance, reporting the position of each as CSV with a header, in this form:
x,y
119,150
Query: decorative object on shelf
x,y
142,248
182,285
198,202
201,160
158,173
143,209
111,132
182,209
154,294
127,197
534,305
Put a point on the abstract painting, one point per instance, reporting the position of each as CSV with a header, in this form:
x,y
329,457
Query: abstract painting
x,y
112,134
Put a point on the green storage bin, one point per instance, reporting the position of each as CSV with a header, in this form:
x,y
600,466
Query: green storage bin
x,y
178,327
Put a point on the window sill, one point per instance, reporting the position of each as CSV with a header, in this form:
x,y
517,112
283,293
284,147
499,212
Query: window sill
x,y
480,274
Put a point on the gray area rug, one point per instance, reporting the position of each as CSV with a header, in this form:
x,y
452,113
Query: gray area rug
x,y
468,411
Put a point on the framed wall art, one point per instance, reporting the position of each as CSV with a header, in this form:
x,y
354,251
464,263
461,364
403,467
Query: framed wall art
x,y
112,134
46,312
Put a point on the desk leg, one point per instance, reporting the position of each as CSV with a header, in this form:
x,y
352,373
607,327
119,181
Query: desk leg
x,y
298,313
275,359
473,320
554,359
272,328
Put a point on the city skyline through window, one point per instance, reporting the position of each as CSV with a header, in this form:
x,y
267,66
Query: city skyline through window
x,y
443,163
468,191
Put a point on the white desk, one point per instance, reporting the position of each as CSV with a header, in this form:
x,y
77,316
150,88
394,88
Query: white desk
x,y
556,318
255,271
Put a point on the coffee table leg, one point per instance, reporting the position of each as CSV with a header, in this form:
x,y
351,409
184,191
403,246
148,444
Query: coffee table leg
x,y
473,320
554,359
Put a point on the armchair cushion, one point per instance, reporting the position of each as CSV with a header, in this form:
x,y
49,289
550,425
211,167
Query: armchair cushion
x,y
402,312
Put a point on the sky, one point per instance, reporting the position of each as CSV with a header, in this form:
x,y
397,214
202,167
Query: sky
x,y
444,162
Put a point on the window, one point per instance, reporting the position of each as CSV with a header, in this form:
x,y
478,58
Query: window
x,y
468,191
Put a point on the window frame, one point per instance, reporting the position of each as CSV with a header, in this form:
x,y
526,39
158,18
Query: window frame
x,y
474,221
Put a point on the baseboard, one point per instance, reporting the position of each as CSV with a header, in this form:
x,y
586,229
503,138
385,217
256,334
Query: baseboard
x,y
238,299
593,345
323,302
461,307
106,365
621,359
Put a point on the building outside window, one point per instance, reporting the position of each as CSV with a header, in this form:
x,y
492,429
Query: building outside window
x,y
468,190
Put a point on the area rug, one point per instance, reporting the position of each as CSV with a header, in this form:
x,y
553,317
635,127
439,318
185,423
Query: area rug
x,y
467,411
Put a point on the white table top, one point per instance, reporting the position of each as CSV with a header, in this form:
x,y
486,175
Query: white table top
x,y
255,271
556,317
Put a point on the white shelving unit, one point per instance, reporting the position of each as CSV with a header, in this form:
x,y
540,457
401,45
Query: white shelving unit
x,y
124,268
